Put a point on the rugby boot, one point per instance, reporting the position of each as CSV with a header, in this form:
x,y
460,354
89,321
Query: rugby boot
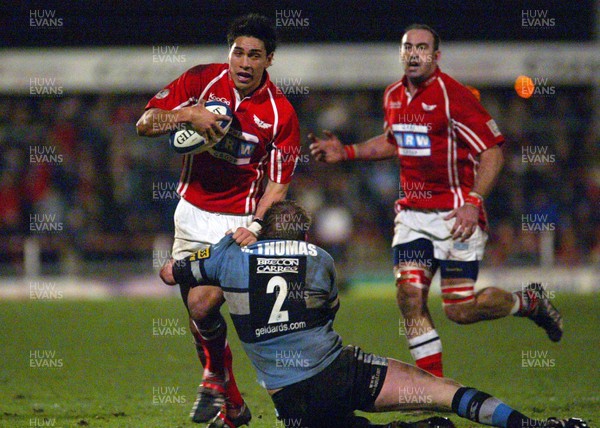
x,y
433,422
223,420
209,402
543,313
566,423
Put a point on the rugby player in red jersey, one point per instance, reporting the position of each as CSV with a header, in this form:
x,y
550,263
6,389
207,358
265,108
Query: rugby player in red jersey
x,y
228,187
450,157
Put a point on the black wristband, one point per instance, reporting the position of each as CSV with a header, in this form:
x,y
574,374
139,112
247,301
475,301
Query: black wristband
x,y
259,221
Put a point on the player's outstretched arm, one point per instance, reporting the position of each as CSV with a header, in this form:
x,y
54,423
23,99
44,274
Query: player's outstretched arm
x,y
155,121
331,150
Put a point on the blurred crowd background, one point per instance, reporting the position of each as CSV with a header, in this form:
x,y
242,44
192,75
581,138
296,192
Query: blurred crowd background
x,y
110,193
81,190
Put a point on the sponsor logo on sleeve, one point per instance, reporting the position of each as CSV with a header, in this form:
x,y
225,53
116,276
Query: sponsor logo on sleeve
x,y
493,127
162,94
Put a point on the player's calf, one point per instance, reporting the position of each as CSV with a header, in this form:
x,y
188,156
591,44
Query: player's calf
x,y
458,298
487,304
412,288
463,306
414,266
446,394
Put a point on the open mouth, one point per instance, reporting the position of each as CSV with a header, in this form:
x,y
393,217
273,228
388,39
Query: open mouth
x,y
244,77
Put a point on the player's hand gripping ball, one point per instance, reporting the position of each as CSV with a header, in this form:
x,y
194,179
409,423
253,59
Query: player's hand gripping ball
x,y
187,141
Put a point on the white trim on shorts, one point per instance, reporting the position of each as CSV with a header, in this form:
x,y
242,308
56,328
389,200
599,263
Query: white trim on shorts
x,y
410,225
196,229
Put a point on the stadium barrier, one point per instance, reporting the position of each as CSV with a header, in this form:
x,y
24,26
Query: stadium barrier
x,y
145,69
582,280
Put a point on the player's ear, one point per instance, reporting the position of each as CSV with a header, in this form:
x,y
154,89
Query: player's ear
x,y
270,59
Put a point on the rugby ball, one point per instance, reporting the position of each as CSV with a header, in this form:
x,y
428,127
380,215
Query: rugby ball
x,y
187,141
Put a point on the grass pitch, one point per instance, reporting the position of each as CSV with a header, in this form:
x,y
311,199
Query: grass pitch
x,y
131,363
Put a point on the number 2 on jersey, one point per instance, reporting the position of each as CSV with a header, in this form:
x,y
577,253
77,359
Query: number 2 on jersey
x,y
277,315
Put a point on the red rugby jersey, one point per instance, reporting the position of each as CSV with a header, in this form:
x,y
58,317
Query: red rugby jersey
x,y
438,133
263,140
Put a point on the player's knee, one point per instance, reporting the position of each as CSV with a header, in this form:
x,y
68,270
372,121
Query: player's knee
x,y
204,300
409,301
458,297
412,285
411,281
407,291
198,311
461,311
459,314
198,306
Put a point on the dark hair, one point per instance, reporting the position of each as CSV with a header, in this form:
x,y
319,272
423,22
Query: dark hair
x,y
285,220
436,37
253,25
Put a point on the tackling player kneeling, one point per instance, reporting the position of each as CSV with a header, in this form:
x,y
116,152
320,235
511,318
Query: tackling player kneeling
x,y
283,299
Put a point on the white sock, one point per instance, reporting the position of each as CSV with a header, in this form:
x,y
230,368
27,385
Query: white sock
x,y
425,345
516,305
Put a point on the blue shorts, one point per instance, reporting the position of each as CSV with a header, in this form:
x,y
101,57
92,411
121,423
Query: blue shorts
x,y
327,400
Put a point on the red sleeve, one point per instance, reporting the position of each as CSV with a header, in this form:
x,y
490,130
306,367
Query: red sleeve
x,y
181,92
472,123
286,148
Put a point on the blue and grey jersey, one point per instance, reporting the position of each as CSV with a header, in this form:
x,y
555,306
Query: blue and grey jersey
x,y
282,299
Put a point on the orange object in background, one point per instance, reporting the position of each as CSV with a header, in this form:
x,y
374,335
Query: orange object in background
x,y
475,92
524,86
